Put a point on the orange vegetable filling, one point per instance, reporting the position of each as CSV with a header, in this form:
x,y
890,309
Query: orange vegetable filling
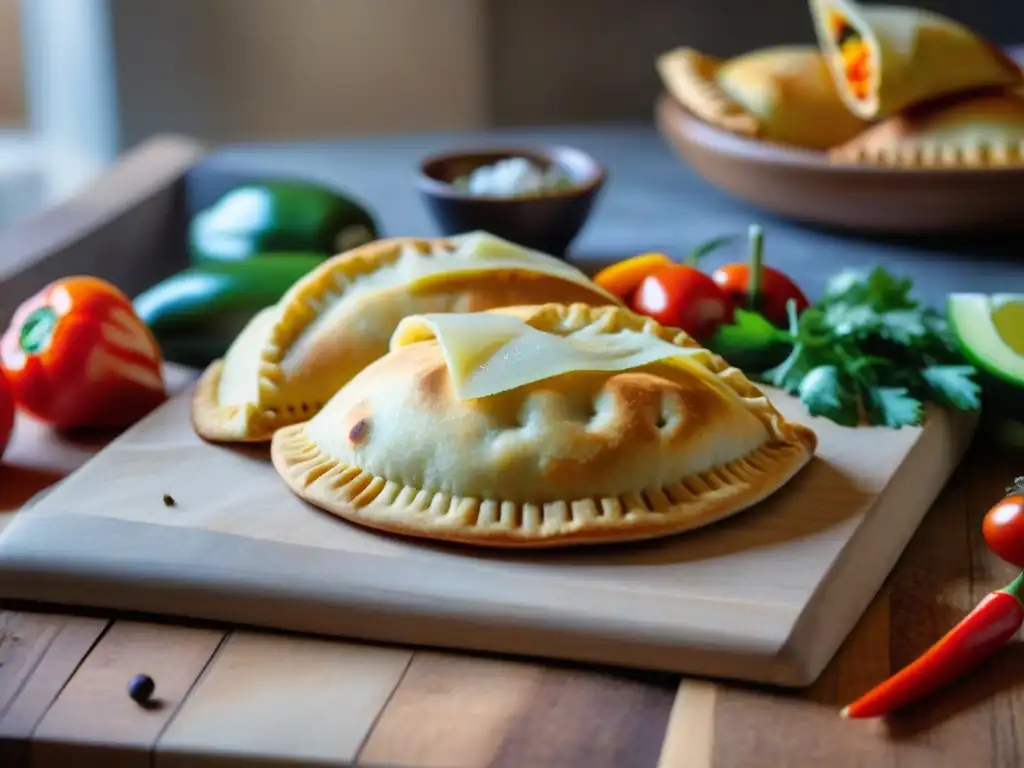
x,y
853,53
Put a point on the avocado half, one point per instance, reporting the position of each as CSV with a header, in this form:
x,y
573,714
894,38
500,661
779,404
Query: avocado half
x,y
989,330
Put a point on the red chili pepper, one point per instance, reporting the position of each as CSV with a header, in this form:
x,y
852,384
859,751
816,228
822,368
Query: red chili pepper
x,y
982,632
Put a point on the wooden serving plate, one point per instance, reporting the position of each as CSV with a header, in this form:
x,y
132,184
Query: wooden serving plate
x,y
767,595
805,185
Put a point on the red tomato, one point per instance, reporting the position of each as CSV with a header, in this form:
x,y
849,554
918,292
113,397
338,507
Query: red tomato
x,y
1003,527
776,290
6,412
683,297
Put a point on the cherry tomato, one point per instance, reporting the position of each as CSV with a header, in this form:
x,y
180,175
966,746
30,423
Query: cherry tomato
x,y
1003,526
775,291
683,297
6,412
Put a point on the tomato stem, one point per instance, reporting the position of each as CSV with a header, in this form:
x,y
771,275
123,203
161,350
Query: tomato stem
x,y
1016,487
694,257
37,330
756,250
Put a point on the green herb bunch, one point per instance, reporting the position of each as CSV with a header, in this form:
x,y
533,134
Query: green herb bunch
x,y
866,352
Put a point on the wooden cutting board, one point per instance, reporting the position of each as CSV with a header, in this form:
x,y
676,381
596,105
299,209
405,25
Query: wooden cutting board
x,y
767,595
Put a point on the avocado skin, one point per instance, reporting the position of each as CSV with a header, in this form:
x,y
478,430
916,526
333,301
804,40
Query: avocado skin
x,y
274,218
196,314
1000,394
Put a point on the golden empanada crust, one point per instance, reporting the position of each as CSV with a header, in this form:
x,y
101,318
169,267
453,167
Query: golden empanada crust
x,y
287,369
584,457
984,130
782,94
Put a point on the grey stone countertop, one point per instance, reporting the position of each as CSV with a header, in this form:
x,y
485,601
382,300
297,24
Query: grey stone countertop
x,y
652,201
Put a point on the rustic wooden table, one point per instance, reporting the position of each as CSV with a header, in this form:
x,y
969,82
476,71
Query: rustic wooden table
x,y
231,693
232,696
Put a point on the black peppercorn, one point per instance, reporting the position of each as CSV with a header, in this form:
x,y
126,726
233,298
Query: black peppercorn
x,y
141,689
168,500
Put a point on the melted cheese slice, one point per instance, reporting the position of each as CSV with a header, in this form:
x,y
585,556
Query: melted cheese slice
x,y
418,272
491,353
481,251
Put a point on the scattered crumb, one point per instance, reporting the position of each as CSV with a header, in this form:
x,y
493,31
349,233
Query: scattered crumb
x,y
169,500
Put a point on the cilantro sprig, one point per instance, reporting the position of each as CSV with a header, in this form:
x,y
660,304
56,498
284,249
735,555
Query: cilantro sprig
x,y
868,351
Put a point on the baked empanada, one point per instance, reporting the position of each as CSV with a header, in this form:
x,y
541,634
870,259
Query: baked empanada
x,y
982,131
884,58
542,426
783,94
292,357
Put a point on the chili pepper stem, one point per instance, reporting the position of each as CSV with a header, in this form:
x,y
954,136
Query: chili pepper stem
x,y
1014,587
756,253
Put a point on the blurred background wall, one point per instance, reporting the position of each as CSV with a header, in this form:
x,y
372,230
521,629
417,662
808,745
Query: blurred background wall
x,y
83,80
12,97
235,70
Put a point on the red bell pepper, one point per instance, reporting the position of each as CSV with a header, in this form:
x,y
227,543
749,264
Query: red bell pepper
x,y
6,412
77,355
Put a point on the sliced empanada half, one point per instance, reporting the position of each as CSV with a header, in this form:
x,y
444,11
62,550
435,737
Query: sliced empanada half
x,y
783,94
542,426
884,58
292,357
985,130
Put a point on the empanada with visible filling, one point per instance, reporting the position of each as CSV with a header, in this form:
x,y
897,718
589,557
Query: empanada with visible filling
x,y
982,131
292,357
885,58
783,94
542,426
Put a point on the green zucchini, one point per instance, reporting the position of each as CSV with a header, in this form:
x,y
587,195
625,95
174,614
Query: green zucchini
x,y
197,313
282,217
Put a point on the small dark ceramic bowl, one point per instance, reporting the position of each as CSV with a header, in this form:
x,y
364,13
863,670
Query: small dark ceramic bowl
x,y
547,221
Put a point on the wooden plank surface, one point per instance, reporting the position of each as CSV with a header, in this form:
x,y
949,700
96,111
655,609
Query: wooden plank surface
x,y
93,721
297,701
766,595
251,698
38,655
289,699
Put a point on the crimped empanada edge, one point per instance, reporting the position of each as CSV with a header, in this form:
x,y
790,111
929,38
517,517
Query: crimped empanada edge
x,y
247,423
926,155
303,302
378,502
363,498
688,75
256,422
